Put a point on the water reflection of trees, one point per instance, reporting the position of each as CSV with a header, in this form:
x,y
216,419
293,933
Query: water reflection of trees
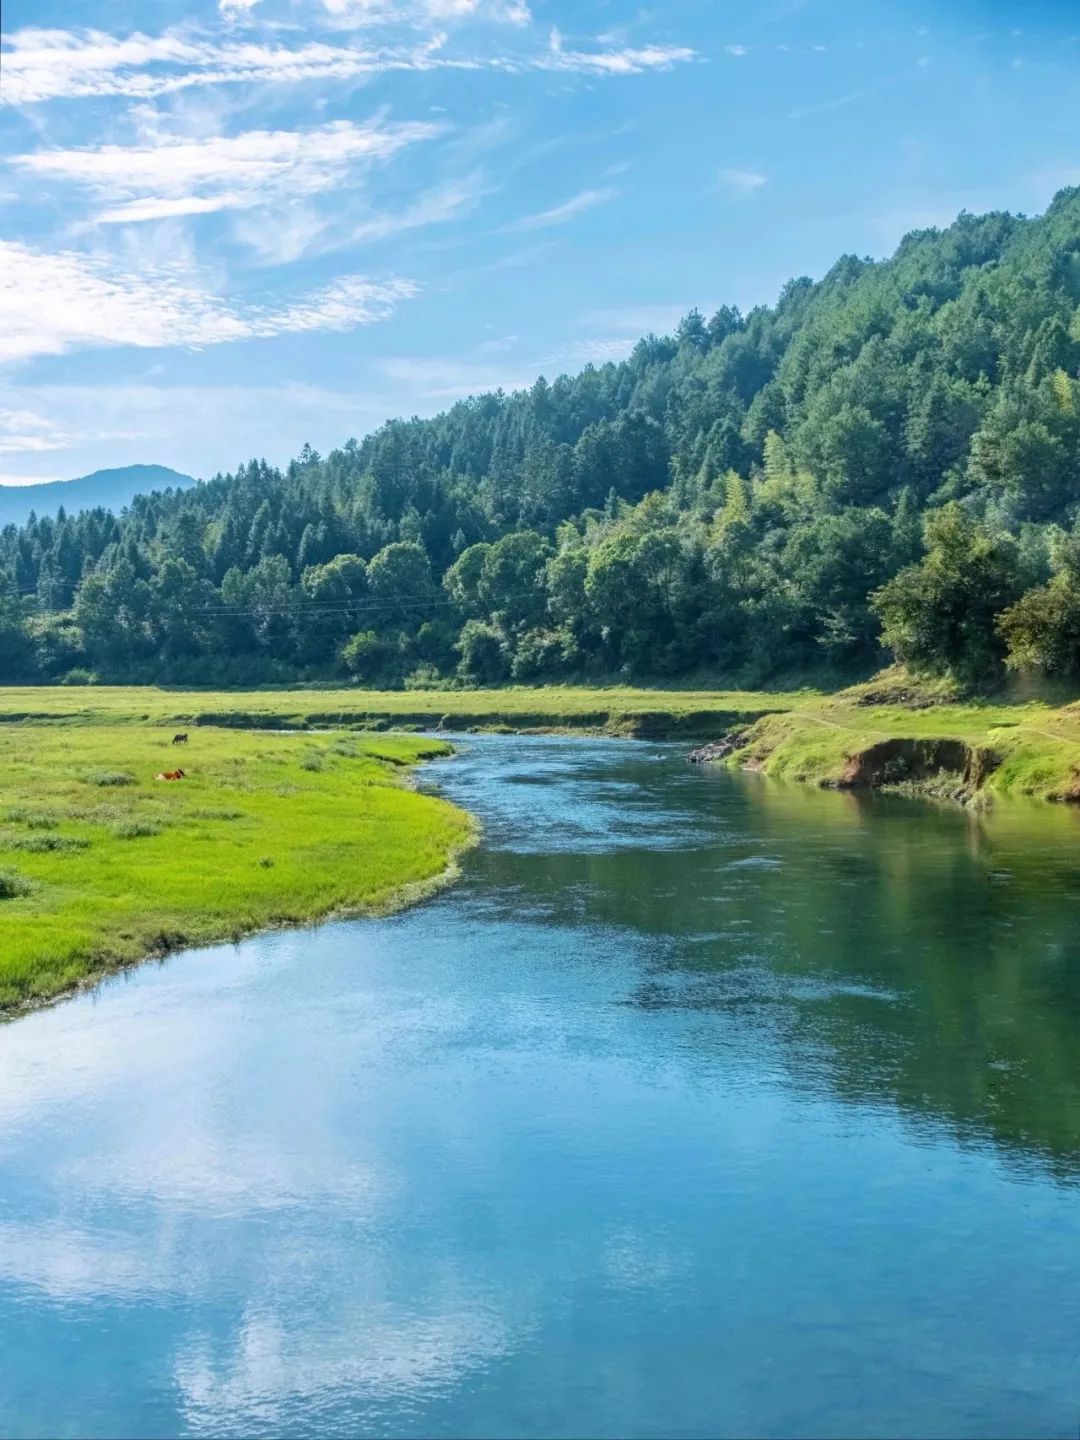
x,y
898,951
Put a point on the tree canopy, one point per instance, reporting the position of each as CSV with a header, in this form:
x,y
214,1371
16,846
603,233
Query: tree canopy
x,y
885,460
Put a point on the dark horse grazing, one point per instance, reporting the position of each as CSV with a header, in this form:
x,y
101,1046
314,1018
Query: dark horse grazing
x,y
180,739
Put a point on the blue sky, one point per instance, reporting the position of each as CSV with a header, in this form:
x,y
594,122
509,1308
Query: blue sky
x,y
232,228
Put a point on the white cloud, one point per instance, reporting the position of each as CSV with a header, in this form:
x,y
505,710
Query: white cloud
x,y
743,180
26,432
625,61
568,210
297,230
156,207
44,65
182,176
53,303
358,13
737,50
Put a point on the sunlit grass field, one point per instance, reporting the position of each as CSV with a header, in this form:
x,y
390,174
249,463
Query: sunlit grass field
x,y
294,808
1032,749
617,709
101,864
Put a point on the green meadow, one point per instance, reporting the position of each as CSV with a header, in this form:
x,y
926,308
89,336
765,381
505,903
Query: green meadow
x,y
615,709
295,806
102,865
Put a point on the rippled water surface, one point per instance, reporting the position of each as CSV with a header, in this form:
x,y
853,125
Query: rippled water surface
x,y
701,1106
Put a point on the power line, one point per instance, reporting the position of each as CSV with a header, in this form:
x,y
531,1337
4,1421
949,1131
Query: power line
x,y
314,608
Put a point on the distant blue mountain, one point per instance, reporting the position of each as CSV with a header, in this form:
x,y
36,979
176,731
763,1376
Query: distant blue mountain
x,y
111,489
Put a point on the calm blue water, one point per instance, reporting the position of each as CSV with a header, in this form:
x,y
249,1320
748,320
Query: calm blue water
x,y
702,1106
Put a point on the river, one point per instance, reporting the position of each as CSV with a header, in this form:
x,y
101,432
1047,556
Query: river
x,y
700,1106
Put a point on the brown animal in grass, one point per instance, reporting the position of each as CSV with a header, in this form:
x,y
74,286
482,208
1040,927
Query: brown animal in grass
x,y
170,775
180,739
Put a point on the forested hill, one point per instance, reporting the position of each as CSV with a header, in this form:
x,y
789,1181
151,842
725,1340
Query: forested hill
x,y
110,489
888,459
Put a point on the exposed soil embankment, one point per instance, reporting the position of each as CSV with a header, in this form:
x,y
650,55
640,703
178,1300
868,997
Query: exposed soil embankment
x,y
635,724
935,766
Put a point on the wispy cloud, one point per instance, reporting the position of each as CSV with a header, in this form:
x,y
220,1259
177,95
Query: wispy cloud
x,y
745,181
624,60
180,176
297,230
44,65
567,211
51,303
357,13
26,432
436,206
737,50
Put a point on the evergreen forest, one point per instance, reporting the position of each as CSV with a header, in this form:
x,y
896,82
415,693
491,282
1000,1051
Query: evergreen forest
x,y
885,464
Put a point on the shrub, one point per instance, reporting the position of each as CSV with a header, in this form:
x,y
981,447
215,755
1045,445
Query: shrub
x,y
108,779
44,844
13,885
31,818
79,676
136,828
311,762
424,677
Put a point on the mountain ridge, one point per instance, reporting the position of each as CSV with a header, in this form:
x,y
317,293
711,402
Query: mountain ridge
x,y
112,488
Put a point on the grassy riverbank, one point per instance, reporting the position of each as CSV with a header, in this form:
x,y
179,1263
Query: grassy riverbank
x,y
890,731
102,865
967,752
624,710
